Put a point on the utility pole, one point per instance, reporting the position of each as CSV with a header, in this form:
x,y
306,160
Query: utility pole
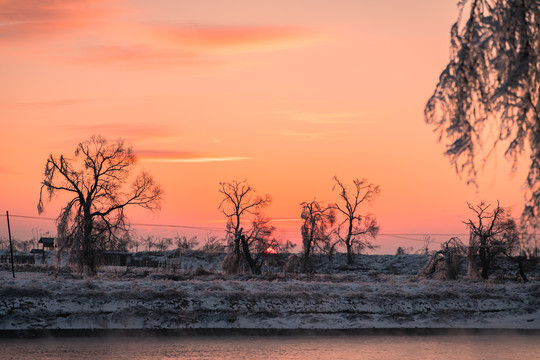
x,y
10,245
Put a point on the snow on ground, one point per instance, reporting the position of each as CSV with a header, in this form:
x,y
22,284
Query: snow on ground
x,y
380,292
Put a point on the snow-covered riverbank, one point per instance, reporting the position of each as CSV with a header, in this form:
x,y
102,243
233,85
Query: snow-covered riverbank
x,y
35,301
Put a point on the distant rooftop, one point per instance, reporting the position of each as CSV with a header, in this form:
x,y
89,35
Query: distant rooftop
x,y
46,241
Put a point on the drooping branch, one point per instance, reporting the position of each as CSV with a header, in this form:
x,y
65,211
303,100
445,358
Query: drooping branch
x,y
317,219
489,93
98,176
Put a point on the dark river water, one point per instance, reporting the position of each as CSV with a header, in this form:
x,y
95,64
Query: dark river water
x,y
450,346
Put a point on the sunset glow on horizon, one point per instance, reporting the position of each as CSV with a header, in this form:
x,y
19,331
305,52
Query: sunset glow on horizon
x,y
284,94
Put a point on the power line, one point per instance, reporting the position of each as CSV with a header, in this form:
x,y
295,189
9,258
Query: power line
x,y
179,226
29,217
397,235
134,224
405,238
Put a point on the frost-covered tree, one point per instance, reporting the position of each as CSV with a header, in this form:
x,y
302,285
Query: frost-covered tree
x,y
184,244
4,242
356,230
240,200
492,233
317,219
213,245
489,92
445,263
164,243
97,181
149,242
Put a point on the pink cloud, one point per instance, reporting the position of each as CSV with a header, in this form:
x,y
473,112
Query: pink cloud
x,y
175,45
21,19
184,157
212,37
193,45
139,54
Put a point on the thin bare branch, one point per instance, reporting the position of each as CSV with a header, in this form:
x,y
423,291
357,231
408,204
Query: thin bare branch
x,y
95,219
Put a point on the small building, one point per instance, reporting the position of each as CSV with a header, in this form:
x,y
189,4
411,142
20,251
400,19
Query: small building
x,y
18,257
47,242
116,258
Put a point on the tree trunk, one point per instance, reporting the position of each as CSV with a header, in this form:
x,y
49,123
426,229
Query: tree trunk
x,y
247,255
348,242
484,258
520,260
305,264
349,253
88,261
236,246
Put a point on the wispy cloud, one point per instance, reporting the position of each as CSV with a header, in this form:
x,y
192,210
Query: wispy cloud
x,y
324,117
197,45
140,54
302,135
184,157
200,159
245,38
20,19
109,37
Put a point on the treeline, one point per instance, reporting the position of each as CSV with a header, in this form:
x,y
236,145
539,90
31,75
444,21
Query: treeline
x,y
102,183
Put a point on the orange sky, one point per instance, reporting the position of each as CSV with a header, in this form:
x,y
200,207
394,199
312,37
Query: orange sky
x,y
285,94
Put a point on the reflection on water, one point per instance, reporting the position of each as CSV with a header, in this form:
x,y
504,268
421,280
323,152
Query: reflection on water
x,y
470,346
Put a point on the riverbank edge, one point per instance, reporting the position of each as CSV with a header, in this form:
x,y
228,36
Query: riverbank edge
x,y
70,333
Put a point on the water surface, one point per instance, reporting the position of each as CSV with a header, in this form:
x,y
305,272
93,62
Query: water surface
x,y
466,346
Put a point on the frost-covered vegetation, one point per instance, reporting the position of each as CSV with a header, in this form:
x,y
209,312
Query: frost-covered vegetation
x,y
379,291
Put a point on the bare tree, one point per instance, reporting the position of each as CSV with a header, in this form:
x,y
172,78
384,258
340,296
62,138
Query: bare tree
x,y
184,244
259,240
445,263
356,230
96,178
213,245
149,241
240,201
23,245
37,233
163,243
317,218
134,244
425,248
489,93
492,233
4,242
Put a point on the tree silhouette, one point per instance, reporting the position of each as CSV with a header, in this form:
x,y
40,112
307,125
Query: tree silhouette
x,y
96,178
489,92
317,218
356,230
493,233
240,200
